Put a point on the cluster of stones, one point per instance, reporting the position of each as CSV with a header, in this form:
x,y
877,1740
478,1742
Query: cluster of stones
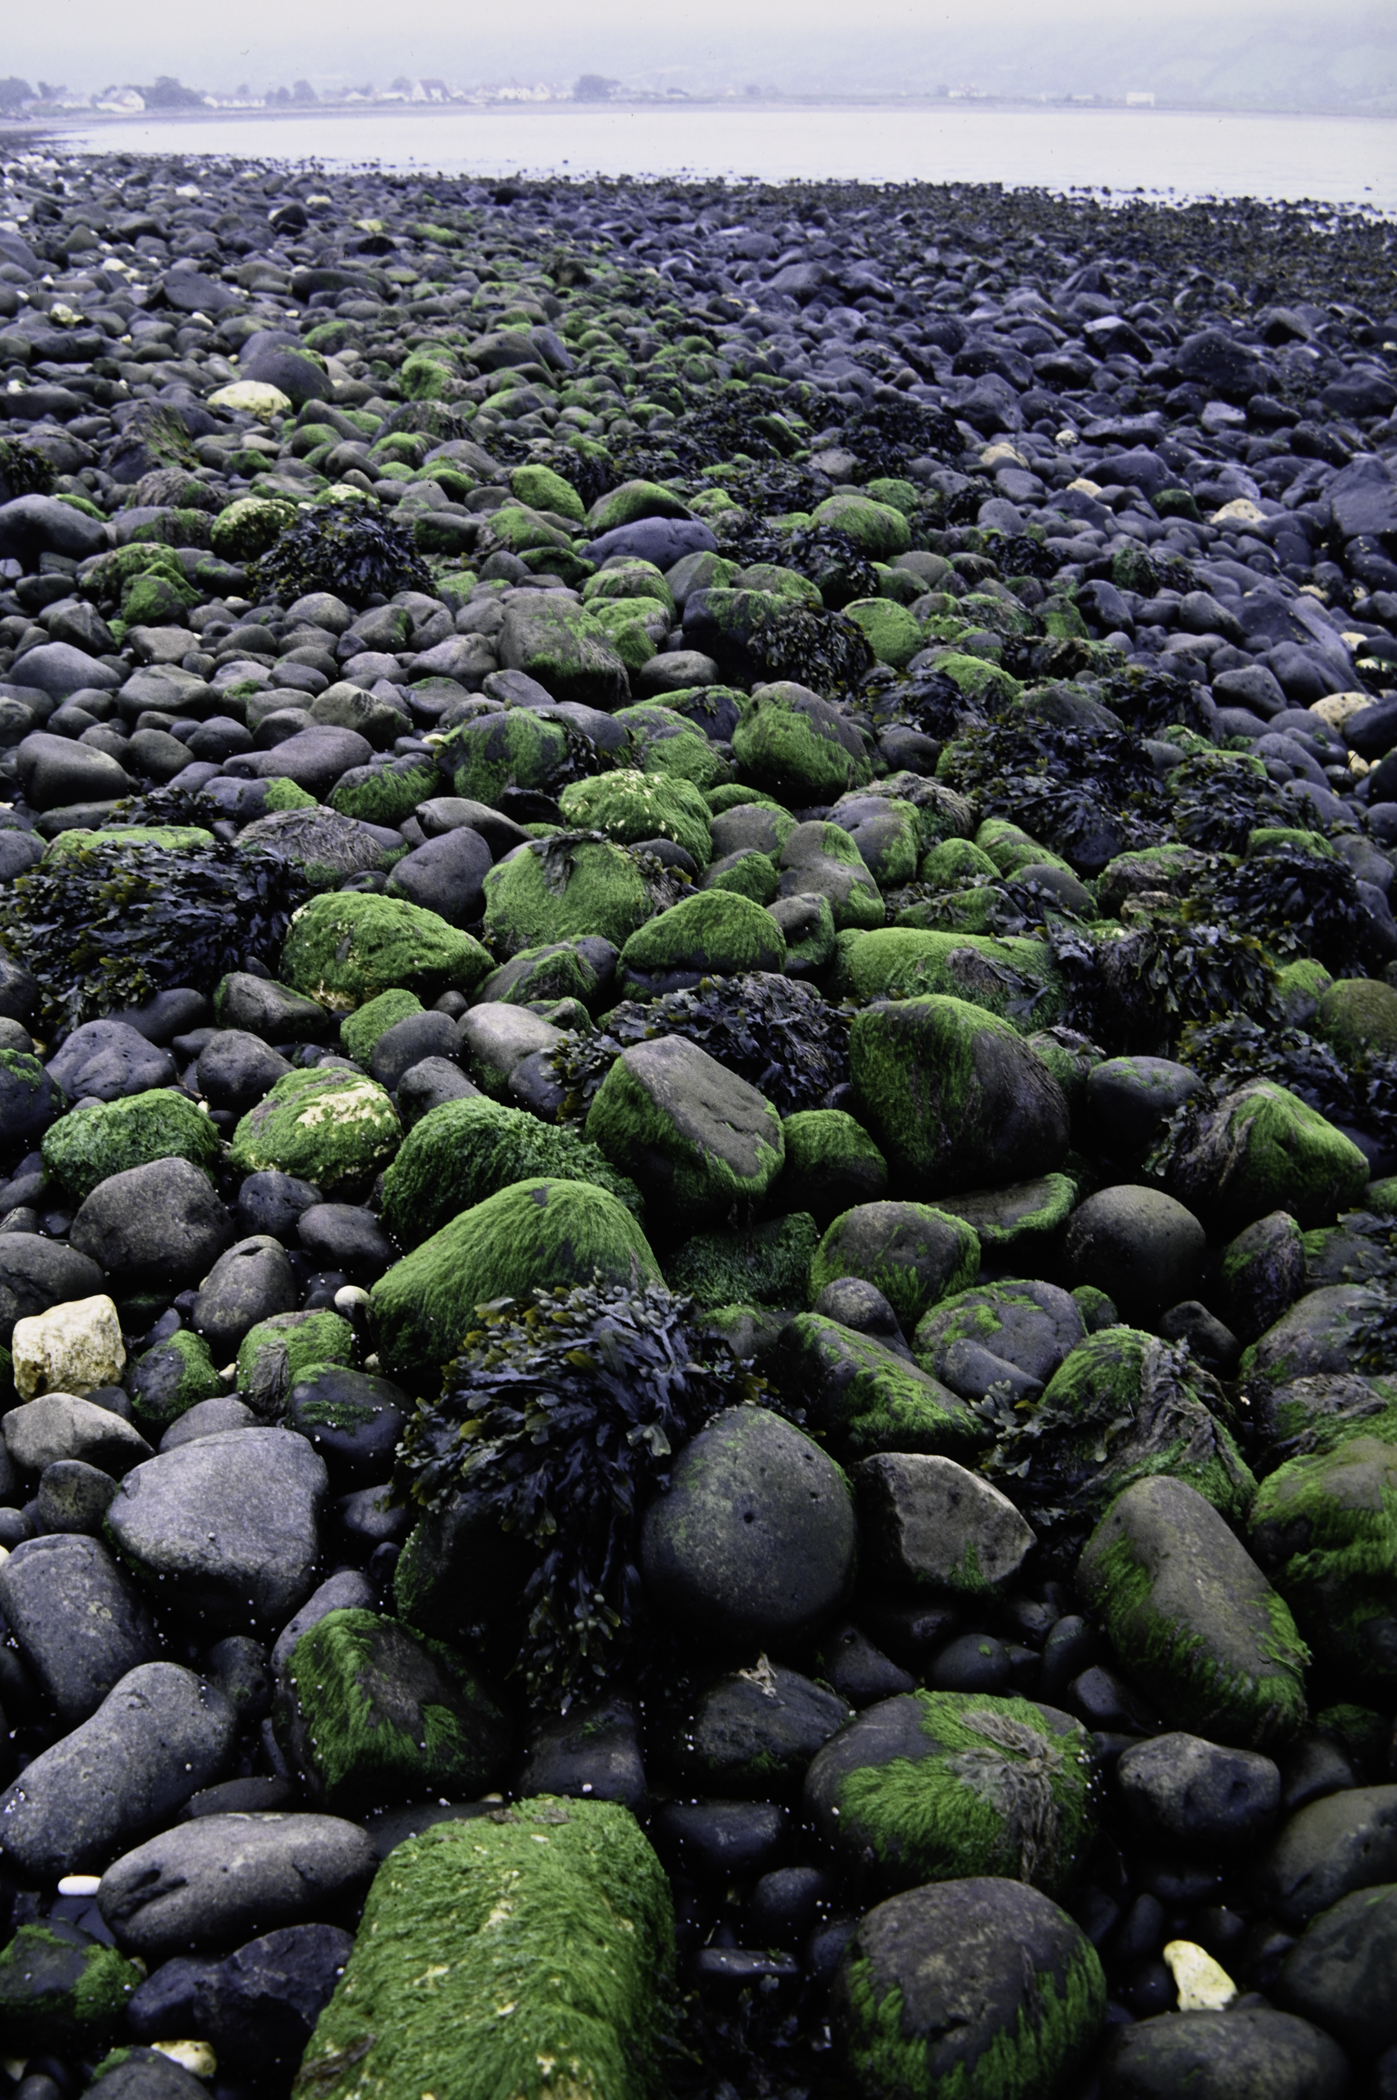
x,y
1037,1736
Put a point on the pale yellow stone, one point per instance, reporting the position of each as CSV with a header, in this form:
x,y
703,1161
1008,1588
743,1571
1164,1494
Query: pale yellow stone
x,y
257,396
1336,708
1240,511
1202,1984
1002,454
195,2057
1084,486
71,1348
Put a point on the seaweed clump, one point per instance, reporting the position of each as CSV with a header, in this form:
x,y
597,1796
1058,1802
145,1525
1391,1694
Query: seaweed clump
x,y
1086,789
23,471
1355,1092
111,924
345,548
560,1417
773,1031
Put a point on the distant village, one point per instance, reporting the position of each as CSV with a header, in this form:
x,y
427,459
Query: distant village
x,y
169,96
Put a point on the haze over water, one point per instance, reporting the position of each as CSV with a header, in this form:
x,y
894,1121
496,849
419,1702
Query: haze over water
x,y
1337,160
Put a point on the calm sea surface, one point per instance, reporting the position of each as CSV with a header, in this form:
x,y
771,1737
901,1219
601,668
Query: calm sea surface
x,y
1185,154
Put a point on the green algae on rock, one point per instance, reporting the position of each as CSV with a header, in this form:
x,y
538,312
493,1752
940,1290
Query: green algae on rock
x,y
110,1136
1262,1149
1192,1618
713,933
767,1265
346,947
979,1989
464,1151
630,806
279,1350
61,1990
558,1910
915,1255
374,1712
866,1398
695,1137
932,1786
832,1164
172,1377
1324,1527
537,1231
324,1125
564,887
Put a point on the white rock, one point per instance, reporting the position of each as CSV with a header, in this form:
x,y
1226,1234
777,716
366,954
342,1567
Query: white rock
x,y
71,1348
1202,1985
257,396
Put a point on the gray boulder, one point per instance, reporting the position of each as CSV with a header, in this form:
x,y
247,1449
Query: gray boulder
x,y
106,1060
158,1224
1222,2055
927,1523
79,1622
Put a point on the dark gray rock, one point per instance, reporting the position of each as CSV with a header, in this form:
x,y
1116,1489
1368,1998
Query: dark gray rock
x,y
856,1303
754,1542
158,1224
227,1524
593,1752
272,1011
271,1203
38,1273
927,1523
106,1060
755,1732
1263,1271
73,1497
251,1282
410,1042
236,1069
720,1842
221,1879
352,1419
79,1622
445,876
208,1418
257,2008
63,1425
346,1591
1339,1972
424,1086
1326,1851
158,1735
30,1099
1222,2055
1184,1791
58,773
1139,1246
139,2074
1129,1097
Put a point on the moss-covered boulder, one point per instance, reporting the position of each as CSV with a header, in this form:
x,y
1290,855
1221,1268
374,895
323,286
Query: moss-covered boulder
x,y
544,490
629,806
346,947
494,752
559,1911
932,1786
1014,1334
887,832
284,1348
799,748
539,1231
583,968
767,1265
1193,1619
1358,1014
85,1147
464,1151
1015,978
893,634
360,1030
822,860
970,1990
61,1990
559,643
1324,1528
558,888
173,1377
1262,1149
249,526
877,529
1028,1215
832,1165
324,1125
386,794
376,1713
1312,1338
1122,1406
954,1095
694,1136
30,1099
712,933
864,1397
913,1254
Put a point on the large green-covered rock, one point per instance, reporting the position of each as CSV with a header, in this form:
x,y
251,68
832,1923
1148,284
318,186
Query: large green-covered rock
x,y
713,933
284,1348
1014,978
668,744
864,1397
768,1265
913,1254
822,860
798,747
526,1953
1261,1149
376,1713
464,1151
538,1231
1357,1014
1193,1619
930,1786
345,947
324,1125
86,1146
494,752
558,888
832,1165
559,643
360,1030
972,1990
386,794
954,1095
1312,1338
1122,1406
694,1136
876,529
1324,1528
630,806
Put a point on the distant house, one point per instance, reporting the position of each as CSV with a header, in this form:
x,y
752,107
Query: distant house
x,y
120,101
1138,98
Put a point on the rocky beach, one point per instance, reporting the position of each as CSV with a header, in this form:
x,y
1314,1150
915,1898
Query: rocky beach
x,y
698,1140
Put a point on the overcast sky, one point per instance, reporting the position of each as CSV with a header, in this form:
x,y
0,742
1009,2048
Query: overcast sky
x,y
87,44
